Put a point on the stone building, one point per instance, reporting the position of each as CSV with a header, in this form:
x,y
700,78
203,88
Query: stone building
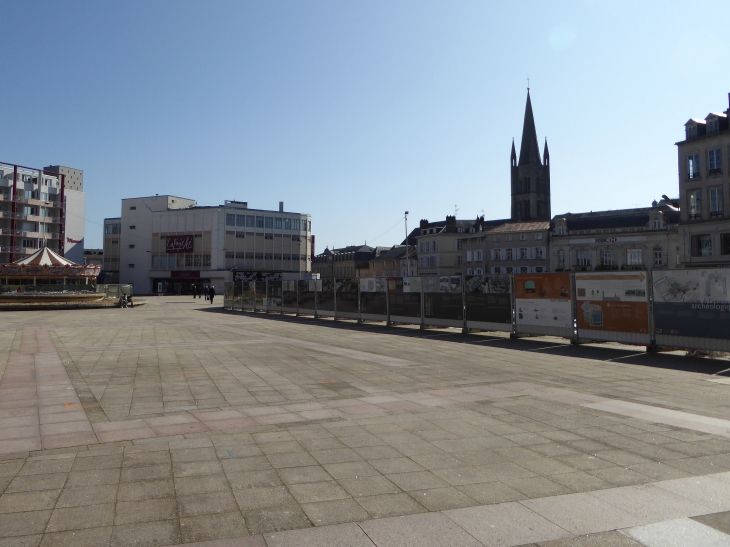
x,y
704,172
346,262
438,246
623,239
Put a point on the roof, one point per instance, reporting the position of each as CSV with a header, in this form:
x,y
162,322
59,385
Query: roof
x,y
619,218
393,253
44,257
715,115
522,227
695,120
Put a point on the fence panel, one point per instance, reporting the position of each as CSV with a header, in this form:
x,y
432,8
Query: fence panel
x,y
306,300
488,302
543,304
613,306
248,295
346,290
228,294
273,295
260,295
326,298
373,299
404,300
443,302
289,296
692,309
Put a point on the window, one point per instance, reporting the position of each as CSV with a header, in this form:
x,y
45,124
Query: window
x,y
188,260
496,239
459,243
497,254
725,244
538,236
691,132
539,253
508,238
230,219
634,257
434,246
713,126
657,223
497,269
560,231
695,204
269,222
583,258
478,256
277,223
716,201
468,271
702,245
510,254
259,222
250,221
130,265
561,259
714,161
269,236
240,235
133,208
524,269
132,227
693,166
295,224
509,269
523,253
131,246
196,261
287,224
539,269
523,237
240,220
658,257
607,258
468,256
29,243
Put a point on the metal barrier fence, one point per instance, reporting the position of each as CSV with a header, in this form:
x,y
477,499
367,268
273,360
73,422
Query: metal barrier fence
x,y
687,309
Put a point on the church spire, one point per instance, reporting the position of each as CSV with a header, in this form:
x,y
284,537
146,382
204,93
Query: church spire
x,y
545,154
529,148
513,155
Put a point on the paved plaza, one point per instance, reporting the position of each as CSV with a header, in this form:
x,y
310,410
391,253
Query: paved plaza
x,y
179,422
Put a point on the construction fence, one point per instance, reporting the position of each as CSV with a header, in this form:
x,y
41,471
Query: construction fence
x,y
687,309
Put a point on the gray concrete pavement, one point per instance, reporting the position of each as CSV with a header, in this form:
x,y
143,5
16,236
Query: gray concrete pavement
x,y
179,423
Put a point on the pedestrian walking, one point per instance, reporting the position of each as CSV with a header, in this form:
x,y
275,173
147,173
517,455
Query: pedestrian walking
x,y
200,290
206,291
211,293
193,289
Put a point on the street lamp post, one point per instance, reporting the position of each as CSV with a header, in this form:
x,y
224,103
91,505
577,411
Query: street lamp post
x,y
407,260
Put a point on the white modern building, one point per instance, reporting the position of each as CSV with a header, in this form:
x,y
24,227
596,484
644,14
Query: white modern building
x,y
168,243
41,208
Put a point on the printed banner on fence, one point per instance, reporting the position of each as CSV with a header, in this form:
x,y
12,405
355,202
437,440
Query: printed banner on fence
x,y
692,303
488,298
372,284
615,301
543,300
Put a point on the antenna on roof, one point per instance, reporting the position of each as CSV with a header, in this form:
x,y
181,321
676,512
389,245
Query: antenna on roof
x,y
456,210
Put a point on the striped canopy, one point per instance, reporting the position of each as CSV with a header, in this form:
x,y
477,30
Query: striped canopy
x,y
44,257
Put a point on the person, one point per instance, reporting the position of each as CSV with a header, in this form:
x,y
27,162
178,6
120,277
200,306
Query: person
x,y
200,290
206,291
193,287
123,301
211,293
131,302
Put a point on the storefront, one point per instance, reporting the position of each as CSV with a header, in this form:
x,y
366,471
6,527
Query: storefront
x,y
182,281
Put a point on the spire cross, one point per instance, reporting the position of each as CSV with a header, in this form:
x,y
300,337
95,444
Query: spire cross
x,y
528,83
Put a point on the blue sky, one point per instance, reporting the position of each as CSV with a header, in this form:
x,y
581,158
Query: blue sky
x,y
357,111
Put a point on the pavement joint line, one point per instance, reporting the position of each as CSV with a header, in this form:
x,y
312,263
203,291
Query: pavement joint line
x,y
624,357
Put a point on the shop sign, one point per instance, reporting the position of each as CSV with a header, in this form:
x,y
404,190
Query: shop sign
x,y
179,244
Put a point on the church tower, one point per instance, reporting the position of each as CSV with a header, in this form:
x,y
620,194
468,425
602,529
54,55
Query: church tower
x,y
530,175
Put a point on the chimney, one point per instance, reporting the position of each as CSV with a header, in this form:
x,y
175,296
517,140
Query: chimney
x,y
281,206
424,223
450,220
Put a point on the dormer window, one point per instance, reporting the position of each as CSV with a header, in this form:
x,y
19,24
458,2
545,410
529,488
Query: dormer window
x,y
691,131
657,224
713,126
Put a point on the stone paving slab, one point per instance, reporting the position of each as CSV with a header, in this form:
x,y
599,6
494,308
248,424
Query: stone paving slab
x,y
181,424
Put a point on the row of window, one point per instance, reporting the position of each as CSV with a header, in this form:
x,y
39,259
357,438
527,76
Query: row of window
x,y
264,256
715,199
428,246
110,229
521,253
517,269
714,163
632,257
276,223
164,262
242,235
428,261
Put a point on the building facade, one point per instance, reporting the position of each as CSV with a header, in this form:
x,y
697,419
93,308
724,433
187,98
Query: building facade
x,y
38,210
704,172
346,262
110,266
624,239
438,246
510,247
74,210
167,243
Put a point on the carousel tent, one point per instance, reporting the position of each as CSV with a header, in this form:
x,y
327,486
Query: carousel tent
x,y
45,267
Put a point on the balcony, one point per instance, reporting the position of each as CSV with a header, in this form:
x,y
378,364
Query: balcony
x,y
715,214
695,216
714,172
693,176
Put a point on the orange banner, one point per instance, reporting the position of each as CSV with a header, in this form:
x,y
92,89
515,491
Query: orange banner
x,y
550,286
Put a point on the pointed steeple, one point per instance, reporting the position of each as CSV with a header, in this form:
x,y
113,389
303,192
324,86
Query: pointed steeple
x,y
513,155
529,149
545,154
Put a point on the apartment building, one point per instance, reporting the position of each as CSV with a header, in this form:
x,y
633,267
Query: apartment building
x,y
704,172
110,266
167,243
38,209
438,245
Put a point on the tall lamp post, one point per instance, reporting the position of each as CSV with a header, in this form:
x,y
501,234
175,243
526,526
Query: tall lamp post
x,y
407,260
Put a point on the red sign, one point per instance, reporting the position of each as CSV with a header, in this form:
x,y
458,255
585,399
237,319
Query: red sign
x,y
69,240
179,244
185,274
